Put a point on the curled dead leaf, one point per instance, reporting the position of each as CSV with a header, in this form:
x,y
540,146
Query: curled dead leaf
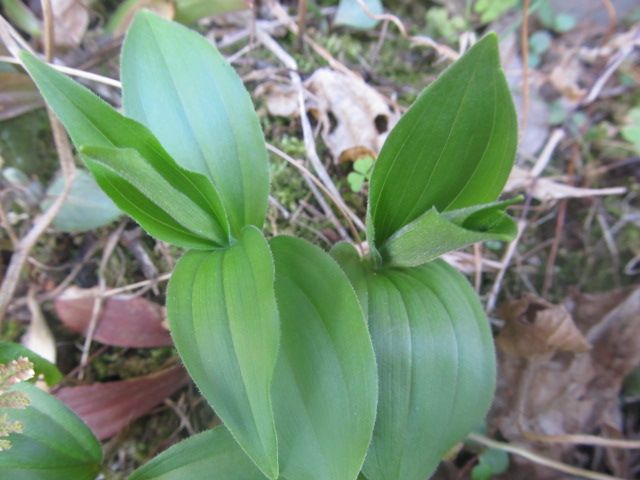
x,y
537,327
70,19
124,321
281,99
355,118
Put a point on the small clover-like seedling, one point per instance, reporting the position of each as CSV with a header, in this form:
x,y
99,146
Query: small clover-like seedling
x,y
320,368
361,172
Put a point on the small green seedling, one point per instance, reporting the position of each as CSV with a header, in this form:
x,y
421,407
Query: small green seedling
x,y
362,168
321,366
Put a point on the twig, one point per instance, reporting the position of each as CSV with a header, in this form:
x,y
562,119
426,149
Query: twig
x,y
99,298
613,16
547,152
506,261
68,167
582,439
539,459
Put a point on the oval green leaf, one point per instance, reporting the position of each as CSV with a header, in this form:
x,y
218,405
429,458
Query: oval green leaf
x,y
324,387
91,121
224,323
436,363
54,444
454,147
177,84
210,455
12,351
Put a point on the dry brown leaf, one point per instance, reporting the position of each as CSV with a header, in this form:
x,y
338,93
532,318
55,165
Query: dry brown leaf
x,y
281,99
565,78
164,8
537,327
109,407
71,19
571,394
355,118
545,189
18,95
124,321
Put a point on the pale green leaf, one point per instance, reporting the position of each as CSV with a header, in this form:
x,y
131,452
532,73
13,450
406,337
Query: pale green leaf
x,y
210,455
54,443
86,207
141,175
324,387
433,234
350,13
224,323
177,84
91,121
436,363
189,11
454,147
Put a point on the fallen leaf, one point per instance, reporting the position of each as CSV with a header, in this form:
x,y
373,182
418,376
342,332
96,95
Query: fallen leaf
x,y
537,327
122,17
109,407
71,19
38,337
571,394
18,95
350,13
355,118
545,189
281,99
124,321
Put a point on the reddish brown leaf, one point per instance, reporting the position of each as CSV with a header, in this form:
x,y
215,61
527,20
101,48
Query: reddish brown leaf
x,y
109,407
124,321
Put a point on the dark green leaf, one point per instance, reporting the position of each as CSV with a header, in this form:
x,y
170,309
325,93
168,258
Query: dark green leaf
x,y
454,147
90,121
180,86
86,208
490,462
433,233
324,388
210,455
54,443
224,322
11,351
436,364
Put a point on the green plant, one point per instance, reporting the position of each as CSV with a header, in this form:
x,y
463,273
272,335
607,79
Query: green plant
x,y
361,173
274,332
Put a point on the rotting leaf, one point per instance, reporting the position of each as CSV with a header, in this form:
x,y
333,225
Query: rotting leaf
x,y
124,321
537,327
355,118
109,407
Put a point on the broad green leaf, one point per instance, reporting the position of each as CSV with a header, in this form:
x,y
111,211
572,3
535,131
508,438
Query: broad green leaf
x,y
91,121
436,364
224,322
454,147
491,463
351,14
324,387
129,166
11,351
177,84
86,208
432,234
189,11
54,444
210,455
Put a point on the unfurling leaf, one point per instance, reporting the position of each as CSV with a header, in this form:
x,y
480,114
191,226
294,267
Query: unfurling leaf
x,y
454,147
205,118
433,234
436,363
224,322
